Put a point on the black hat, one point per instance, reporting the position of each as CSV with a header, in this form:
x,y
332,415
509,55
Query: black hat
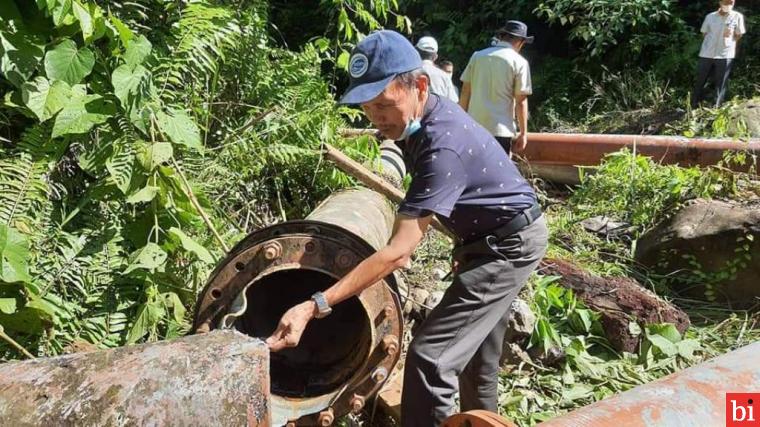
x,y
517,29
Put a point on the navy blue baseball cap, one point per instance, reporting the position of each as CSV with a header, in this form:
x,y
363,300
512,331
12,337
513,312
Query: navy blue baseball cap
x,y
375,61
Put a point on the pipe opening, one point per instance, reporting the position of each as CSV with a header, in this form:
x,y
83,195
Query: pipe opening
x,y
331,350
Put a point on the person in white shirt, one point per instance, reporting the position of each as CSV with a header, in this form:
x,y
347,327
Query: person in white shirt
x,y
440,81
496,86
721,30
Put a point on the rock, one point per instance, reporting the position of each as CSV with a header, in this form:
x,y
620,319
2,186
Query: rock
x,y
521,322
439,273
430,302
513,354
618,300
708,249
747,113
606,227
553,357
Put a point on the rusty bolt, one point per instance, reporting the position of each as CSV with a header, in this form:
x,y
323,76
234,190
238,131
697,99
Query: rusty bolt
x,y
309,247
203,328
390,345
388,311
326,417
357,403
380,374
272,250
344,258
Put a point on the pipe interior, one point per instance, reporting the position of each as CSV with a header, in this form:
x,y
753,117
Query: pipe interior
x,y
331,350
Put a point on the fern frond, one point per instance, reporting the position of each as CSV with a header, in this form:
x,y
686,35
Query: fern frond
x,y
23,179
203,36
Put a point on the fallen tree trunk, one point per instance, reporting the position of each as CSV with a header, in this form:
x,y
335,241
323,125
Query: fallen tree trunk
x,y
219,378
619,301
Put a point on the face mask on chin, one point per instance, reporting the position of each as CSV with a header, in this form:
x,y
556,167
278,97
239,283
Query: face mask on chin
x,y
412,126
726,8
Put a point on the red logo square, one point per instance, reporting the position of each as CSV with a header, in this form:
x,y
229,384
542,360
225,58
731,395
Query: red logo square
x,y
742,409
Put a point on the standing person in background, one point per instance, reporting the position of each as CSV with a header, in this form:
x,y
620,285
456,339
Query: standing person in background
x,y
496,85
440,81
721,31
448,68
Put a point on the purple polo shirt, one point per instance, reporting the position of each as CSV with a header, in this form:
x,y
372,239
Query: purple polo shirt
x,y
460,173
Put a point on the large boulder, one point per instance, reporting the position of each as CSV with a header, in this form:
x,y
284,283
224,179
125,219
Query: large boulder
x,y
747,113
709,249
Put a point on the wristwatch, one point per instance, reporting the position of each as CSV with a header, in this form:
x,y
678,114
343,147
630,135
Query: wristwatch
x,y
323,310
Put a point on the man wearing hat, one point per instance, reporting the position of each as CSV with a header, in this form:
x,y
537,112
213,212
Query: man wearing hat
x,y
462,175
496,86
440,81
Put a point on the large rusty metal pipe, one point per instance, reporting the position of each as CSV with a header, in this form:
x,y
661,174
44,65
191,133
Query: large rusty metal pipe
x,y
221,378
556,156
342,359
692,397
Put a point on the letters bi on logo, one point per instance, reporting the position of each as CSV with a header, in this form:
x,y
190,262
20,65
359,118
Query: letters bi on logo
x,y
742,409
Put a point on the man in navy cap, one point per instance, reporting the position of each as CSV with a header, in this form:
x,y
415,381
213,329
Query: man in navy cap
x,y
496,85
462,175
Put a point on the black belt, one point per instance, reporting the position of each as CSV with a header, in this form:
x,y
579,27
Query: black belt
x,y
485,246
518,222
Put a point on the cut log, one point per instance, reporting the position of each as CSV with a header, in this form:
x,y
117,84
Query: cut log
x,y
619,301
219,378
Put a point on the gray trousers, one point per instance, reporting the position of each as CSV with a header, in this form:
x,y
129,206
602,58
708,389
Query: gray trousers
x,y
459,345
719,70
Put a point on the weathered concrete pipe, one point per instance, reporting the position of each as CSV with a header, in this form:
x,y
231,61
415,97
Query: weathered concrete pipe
x,y
221,378
342,359
693,397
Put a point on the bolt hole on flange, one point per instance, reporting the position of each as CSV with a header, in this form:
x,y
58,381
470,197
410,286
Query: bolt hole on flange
x,y
216,293
239,266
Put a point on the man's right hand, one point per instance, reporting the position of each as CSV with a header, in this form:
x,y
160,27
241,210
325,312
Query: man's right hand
x,y
520,142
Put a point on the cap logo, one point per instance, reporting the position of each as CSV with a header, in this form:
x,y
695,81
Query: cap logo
x,y
358,65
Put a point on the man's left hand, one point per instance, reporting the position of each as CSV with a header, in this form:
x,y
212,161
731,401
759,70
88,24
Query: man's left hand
x,y
520,142
291,327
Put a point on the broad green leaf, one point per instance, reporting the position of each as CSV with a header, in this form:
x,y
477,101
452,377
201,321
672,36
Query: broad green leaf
x,y
125,34
173,302
150,257
8,305
85,20
686,348
191,245
21,55
179,128
144,195
137,51
81,114
666,330
60,9
43,99
154,155
147,319
128,84
342,62
666,346
14,256
66,62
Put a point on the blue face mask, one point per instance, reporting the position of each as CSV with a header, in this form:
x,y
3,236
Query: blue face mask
x,y
411,128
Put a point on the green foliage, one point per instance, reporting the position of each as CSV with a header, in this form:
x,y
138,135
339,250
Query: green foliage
x,y
634,189
121,122
591,370
601,24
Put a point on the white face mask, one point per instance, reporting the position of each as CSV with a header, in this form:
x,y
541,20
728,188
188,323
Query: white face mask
x,y
726,8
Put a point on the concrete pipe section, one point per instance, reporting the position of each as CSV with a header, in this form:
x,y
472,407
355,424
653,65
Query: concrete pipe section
x,y
342,359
